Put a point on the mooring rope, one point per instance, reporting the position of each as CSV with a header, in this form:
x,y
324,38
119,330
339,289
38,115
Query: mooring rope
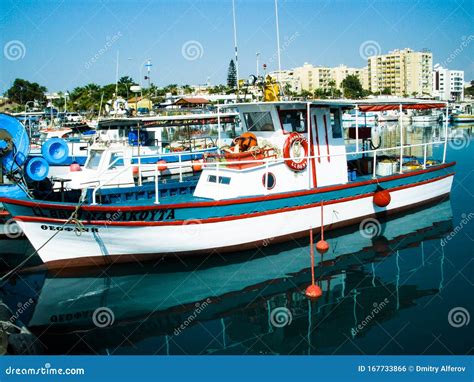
x,y
72,218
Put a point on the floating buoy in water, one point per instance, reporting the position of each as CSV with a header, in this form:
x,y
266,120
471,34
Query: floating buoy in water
x,y
322,246
74,167
382,197
197,165
312,291
135,170
162,165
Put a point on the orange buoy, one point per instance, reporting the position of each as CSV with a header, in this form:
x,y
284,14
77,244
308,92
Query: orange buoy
x,y
382,198
322,246
135,170
313,291
197,165
162,166
75,167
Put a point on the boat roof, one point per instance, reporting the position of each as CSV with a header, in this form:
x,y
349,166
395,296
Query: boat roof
x,y
172,117
363,104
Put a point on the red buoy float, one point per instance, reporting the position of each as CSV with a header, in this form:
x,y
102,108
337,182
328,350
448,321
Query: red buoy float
x,y
313,291
74,167
135,170
322,246
197,165
162,166
382,198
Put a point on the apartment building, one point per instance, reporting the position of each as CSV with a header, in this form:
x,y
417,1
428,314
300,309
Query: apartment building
x,y
448,85
404,72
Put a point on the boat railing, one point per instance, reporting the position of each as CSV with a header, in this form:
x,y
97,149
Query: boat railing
x,y
258,164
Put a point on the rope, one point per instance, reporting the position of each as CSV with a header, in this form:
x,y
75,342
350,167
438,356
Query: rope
x,y
72,218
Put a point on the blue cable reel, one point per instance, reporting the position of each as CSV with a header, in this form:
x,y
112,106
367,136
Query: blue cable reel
x,y
14,143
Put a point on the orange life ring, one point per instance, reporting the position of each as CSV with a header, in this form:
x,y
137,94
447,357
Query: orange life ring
x,y
292,140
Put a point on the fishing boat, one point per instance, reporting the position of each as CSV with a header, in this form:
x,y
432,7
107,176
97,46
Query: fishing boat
x,y
285,174
463,118
426,117
368,118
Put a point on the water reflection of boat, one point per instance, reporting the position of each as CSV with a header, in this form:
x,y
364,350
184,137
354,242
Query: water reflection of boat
x,y
242,290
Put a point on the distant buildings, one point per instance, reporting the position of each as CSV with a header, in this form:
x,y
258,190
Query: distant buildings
x,y
448,85
310,78
404,72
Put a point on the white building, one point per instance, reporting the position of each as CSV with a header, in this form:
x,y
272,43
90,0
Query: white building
x,y
448,85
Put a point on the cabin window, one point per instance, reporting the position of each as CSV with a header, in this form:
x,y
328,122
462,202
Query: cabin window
x,y
293,121
116,160
336,123
222,179
94,160
259,121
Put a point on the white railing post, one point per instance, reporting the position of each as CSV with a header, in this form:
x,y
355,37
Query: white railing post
x,y
357,127
266,176
157,195
217,180
308,125
181,167
218,128
401,139
424,155
445,134
140,171
374,164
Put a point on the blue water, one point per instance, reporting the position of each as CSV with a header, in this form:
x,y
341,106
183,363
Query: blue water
x,y
407,290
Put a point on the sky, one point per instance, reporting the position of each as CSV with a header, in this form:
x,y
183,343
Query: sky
x,y
69,43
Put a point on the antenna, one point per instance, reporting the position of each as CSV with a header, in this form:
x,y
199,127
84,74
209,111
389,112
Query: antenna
x,y
116,74
235,47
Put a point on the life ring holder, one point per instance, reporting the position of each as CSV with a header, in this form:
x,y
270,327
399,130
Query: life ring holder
x,y
292,140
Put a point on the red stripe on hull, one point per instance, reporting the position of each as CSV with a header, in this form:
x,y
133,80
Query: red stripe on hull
x,y
36,219
244,200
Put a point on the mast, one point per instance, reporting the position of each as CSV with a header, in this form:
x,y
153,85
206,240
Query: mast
x,y
278,43
235,47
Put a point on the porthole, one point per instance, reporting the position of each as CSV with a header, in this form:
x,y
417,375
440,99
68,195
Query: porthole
x,y
269,180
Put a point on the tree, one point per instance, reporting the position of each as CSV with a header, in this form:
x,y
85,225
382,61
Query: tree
x,y
232,75
352,88
387,91
124,84
23,91
332,87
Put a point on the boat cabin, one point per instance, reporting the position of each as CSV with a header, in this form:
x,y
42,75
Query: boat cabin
x,y
286,133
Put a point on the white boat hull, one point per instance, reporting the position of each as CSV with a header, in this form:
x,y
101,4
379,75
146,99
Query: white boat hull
x,y
192,237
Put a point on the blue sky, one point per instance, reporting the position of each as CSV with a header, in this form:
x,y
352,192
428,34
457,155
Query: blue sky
x,y
63,44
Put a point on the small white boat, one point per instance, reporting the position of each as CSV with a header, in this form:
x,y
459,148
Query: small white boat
x,y
463,118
